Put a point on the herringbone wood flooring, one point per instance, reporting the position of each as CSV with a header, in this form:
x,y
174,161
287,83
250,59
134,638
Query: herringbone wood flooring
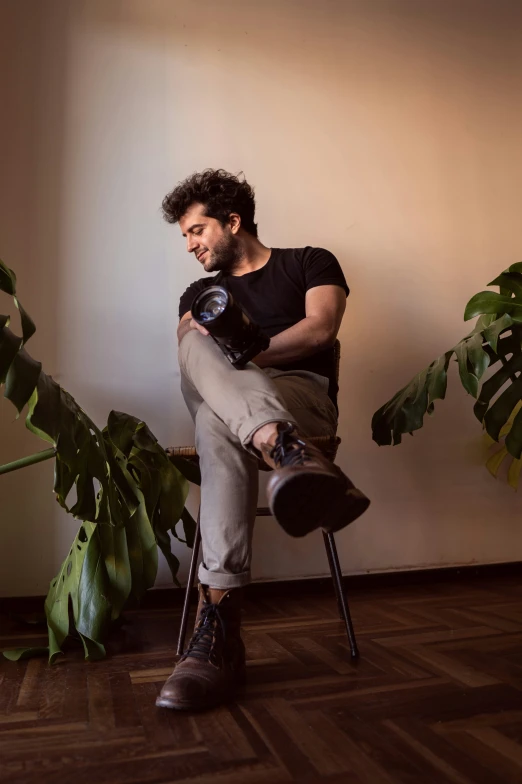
x,y
436,697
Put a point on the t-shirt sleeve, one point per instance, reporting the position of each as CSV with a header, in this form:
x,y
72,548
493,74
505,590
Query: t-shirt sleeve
x,y
321,268
188,297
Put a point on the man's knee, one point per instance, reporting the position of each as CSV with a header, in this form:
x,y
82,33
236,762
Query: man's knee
x,y
190,342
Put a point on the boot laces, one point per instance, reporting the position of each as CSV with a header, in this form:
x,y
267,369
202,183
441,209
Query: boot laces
x,y
288,449
211,625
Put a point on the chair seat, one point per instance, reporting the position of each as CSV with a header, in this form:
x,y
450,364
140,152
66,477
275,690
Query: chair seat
x,y
327,444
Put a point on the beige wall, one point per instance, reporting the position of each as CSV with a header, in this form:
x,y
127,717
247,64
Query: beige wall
x,y
385,130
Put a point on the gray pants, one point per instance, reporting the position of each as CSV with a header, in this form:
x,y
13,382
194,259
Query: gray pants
x,y
228,406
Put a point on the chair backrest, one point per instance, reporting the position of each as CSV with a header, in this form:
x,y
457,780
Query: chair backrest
x,y
337,354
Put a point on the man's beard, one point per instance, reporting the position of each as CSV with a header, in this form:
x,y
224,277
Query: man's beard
x,y
225,256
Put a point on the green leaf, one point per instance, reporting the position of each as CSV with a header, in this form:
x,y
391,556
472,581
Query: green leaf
x,y
94,651
144,439
28,327
514,473
189,527
477,357
22,378
53,414
128,494
490,302
149,480
405,412
438,378
64,589
492,332
7,279
501,409
471,363
494,384
174,491
509,281
10,345
85,506
121,429
93,611
495,339
189,468
123,483
143,552
113,546
510,343
164,543
514,437
495,461
44,409
54,647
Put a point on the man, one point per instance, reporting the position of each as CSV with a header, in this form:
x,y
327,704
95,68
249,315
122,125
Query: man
x,y
265,411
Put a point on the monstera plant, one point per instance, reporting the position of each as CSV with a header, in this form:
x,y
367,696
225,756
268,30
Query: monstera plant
x,y
119,482
495,342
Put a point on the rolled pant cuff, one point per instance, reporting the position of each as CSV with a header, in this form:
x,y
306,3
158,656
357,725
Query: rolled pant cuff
x,y
249,426
221,580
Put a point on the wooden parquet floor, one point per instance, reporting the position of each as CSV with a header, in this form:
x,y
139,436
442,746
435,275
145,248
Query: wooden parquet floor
x,y
436,697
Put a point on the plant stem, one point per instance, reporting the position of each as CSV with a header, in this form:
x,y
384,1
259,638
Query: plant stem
x,y
27,461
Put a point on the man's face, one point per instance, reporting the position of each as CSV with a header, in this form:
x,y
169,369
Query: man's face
x,y
216,247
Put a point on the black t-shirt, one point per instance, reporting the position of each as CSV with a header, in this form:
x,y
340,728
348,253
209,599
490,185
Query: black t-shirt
x,y
274,297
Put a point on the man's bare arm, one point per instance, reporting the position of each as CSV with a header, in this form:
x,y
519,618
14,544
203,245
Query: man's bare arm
x,y
186,324
324,306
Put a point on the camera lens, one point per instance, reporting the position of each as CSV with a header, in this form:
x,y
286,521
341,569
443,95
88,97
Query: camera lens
x,y
209,305
214,306
229,325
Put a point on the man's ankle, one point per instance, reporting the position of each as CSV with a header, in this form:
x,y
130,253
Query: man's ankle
x,y
266,434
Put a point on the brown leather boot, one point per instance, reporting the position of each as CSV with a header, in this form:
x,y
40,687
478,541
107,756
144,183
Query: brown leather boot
x,y
306,490
213,665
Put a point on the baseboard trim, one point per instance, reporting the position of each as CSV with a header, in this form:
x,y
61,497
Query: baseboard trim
x,y
173,597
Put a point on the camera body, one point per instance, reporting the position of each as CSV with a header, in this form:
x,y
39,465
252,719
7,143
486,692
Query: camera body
x,y
239,338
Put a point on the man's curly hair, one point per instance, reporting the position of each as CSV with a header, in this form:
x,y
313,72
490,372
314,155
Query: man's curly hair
x,y
219,191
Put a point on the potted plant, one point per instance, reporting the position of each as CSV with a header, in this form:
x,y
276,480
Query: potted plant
x,y
130,496
494,342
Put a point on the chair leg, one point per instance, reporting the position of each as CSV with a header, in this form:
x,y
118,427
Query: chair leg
x,y
332,572
335,569
190,583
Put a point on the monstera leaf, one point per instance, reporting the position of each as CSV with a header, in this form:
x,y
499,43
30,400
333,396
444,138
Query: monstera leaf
x,y
130,497
495,340
81,453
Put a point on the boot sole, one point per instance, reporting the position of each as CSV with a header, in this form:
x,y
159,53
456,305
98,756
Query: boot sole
x,y
188,706
303,501
164,702
234,692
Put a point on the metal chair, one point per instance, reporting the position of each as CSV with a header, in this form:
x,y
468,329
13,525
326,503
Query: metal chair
x,y
329,446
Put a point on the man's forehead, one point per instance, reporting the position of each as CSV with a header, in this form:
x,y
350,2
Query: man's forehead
x,y
194,214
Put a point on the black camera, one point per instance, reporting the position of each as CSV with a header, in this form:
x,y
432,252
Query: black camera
x,y
229,325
